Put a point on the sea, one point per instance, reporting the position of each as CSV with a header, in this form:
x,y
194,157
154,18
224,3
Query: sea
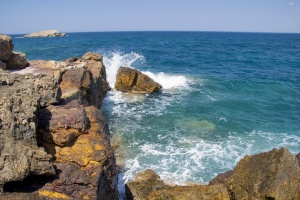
x,y
225,95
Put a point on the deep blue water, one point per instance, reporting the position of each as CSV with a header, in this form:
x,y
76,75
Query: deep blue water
x,y
225,95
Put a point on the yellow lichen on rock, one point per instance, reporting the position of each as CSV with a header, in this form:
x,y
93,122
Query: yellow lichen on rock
x,y
53,195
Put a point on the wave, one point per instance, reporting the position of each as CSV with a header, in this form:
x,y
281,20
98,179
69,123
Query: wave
x,y
114,60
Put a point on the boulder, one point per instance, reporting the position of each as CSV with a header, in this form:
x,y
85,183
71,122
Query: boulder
x,y
148,186
92,56
131,80
6,47
17,60
46,33
270,175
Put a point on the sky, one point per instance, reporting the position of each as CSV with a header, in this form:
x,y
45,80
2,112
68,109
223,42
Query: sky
x,y
26,16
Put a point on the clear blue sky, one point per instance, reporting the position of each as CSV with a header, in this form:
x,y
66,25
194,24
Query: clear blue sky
x,y
26,16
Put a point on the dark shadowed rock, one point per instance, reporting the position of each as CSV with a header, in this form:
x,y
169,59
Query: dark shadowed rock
x,y
3,66
272,175
298,157
6,47
148,186
131,80
17,60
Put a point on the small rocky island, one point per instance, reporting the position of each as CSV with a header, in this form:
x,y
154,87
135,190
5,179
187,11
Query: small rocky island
x,y
55,142
46,33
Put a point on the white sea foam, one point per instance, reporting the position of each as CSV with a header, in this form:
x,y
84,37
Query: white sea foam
x,y
169,81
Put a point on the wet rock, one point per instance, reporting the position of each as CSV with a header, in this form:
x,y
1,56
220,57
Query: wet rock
x,y
6,47
271,175
148,185
46,33
17,60
131,80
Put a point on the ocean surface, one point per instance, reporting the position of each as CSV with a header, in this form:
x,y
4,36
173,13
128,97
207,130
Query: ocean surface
x,y
225,95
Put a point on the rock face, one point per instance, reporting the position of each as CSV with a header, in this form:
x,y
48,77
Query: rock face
x,y
147,185
6,47
46,33
271,175
51,125
131,80
8,58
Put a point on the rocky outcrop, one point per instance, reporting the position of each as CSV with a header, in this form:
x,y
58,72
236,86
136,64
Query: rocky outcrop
x,y
20,99
148,185
46,33
270,175
6,47
47,130
8,58
131,80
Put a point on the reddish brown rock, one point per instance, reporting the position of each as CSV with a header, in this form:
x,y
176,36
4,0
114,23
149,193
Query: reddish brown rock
x,y
17,60
62,124
271,175
6,47
131,80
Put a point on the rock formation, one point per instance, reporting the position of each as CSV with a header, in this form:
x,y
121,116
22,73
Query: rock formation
x,y
131,80
148,185
8,58
270,175
46,33
51,126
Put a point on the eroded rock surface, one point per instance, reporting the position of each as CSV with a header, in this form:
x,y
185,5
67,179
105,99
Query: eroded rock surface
x,y
131,80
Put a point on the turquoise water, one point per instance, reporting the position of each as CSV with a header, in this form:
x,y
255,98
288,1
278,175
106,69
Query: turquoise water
x,y
224,95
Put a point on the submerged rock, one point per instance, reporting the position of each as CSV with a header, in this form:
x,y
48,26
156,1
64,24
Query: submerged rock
x,y
131,80
46,33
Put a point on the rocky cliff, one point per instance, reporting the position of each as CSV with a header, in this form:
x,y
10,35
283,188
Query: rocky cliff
x,y
54,140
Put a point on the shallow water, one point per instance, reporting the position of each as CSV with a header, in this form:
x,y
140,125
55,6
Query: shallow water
x,y
224,95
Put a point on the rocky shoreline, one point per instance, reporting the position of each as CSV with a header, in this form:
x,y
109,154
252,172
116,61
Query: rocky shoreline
x,y
55,142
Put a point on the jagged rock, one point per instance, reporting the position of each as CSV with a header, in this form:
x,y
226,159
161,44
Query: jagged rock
x,y
92,56
271,175
17,60
148,186
6,47
131,80
46,33
87,84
